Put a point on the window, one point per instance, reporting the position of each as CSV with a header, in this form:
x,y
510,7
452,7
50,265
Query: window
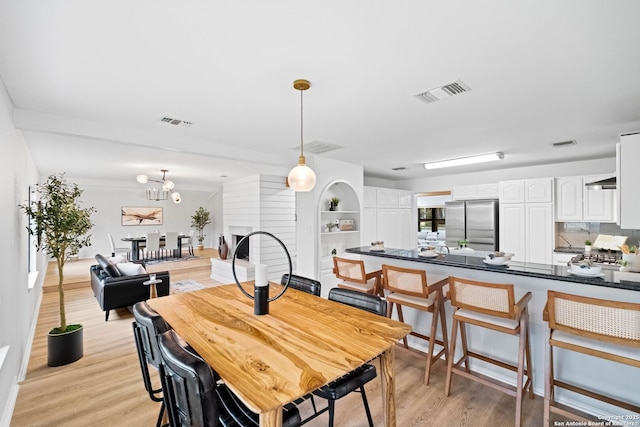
x,y
431,219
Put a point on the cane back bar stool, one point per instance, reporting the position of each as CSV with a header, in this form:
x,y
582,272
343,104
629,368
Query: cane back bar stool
x,y
492,306
413,288
354,277
600,328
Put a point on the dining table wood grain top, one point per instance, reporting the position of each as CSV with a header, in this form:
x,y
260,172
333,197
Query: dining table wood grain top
x,y
270,360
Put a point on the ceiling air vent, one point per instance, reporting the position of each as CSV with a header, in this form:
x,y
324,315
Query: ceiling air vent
x,y
399,168
564,143
318,147
175,122
445,91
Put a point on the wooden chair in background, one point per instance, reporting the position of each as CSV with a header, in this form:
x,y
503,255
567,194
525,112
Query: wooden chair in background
x,y
354,276
411,288
492,306
597,327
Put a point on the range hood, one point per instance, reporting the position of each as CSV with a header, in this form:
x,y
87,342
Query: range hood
x,y
604,184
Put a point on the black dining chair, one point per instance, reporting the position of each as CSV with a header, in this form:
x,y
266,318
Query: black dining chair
x,y
303,284
194,398
147,326
356,379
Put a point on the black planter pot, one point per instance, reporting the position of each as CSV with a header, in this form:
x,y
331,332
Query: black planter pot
x,y
64,348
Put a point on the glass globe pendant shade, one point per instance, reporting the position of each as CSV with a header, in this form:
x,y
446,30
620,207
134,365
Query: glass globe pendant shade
x,y
176,197
142,179
168,185
302,178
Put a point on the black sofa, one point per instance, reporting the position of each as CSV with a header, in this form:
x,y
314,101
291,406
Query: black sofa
x,y
113,290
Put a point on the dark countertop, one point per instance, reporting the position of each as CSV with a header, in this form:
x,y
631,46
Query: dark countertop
x,y
572,250
542,271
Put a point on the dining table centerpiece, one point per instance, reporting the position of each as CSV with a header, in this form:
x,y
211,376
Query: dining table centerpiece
x,y
61,227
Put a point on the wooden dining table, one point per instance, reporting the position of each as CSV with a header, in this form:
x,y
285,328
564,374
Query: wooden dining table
x,y
303,343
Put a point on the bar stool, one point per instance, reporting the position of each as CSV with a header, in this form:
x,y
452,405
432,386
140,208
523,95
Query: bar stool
x,y
600,328
413,289
492,306
354,277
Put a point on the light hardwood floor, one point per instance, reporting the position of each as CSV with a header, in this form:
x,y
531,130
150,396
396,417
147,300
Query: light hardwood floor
x,y
105,388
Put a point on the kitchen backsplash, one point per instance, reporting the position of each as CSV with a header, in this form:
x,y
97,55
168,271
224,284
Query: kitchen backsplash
x,y
575,233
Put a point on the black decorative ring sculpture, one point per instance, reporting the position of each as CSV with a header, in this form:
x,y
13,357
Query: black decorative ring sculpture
x,y
261,294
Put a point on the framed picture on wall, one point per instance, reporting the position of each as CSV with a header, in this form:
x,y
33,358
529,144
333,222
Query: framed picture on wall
x,y
141,216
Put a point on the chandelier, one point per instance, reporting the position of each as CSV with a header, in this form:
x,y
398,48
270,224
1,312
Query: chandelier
x,y
162,193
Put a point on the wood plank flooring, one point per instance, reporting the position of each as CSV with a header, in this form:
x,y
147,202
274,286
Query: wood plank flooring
x,y
105,388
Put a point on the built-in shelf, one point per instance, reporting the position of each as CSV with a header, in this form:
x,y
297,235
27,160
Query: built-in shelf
x,y
340,212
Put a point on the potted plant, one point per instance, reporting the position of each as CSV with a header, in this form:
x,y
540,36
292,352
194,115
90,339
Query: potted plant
x,y
199,221
333,203
587,245
60,226
463,243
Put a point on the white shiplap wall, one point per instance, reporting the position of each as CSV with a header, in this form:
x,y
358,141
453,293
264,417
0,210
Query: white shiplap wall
x,y
262,203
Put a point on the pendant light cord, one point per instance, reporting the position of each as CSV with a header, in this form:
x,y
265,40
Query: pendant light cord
x,y
301,125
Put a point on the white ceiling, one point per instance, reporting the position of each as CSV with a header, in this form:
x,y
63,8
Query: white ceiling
x,y
90,81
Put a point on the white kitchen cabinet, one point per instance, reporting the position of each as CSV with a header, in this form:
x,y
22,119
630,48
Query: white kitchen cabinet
x,y
577,203
475,192
512,230
539,233
538,190
511,191
526,191
569,198
598,205
370,199
390,220
628,184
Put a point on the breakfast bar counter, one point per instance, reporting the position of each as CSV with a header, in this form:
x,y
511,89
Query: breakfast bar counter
x,y
609,377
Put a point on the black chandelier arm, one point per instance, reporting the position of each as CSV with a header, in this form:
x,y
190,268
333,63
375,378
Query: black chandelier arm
x,y
233,264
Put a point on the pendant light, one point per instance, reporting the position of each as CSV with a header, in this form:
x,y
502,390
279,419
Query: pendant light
x,y
302,177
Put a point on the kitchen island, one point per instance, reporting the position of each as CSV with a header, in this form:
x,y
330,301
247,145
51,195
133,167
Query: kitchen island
x,y
620,381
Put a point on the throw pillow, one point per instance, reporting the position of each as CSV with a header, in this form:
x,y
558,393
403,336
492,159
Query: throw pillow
x,y
130,268
117,259
108,268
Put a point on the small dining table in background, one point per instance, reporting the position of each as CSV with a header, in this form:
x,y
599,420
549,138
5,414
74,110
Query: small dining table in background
x,y
136,245
303,343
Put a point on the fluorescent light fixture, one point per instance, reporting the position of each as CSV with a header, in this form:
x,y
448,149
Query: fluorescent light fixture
x,y
464,161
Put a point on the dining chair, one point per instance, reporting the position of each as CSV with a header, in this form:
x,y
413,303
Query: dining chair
x,y
147,326
491,306
596,327
355,380
170,244
194,397
354,277
303,284
411,288
115,250
152,245
188,242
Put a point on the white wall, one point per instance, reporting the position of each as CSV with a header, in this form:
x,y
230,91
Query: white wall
x,y
176,217
18,304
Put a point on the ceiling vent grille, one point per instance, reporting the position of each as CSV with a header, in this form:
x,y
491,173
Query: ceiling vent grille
x,y
318,147
175,122
564,143
445,91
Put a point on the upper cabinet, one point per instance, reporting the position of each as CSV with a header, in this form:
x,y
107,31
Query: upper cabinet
x,y
628,153
577,203
474,192
388,216
526,191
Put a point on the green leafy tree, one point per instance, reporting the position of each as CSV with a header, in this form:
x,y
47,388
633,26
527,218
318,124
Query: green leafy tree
x,y
60,226
199,221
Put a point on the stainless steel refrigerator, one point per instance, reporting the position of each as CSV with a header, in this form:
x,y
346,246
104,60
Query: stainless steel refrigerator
x,y
475,221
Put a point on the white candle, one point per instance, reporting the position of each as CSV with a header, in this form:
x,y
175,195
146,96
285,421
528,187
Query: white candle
x,y
261,275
